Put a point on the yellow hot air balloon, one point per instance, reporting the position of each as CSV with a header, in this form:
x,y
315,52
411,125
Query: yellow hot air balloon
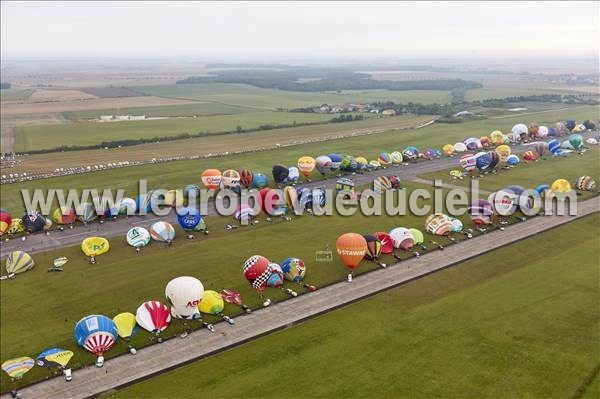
x,y
16,226
448,149
174,198
211,303
497,137
18,262
503,152
306,165
94,246
126,325
561,185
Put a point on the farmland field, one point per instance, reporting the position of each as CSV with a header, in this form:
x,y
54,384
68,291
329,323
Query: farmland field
x,y
181,173
250,96
214,144
30,138
15,94
199,109
493,326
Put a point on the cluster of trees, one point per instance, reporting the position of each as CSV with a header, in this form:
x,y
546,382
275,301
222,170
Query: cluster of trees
x,y
544,98
324,79
5,85
347,118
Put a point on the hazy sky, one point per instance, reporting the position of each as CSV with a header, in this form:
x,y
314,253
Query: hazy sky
x,y
299,30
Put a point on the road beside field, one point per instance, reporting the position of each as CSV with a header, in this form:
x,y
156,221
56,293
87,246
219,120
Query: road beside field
x,y
155,359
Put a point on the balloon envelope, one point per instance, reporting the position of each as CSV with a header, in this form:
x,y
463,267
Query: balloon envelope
x,y
126,325
153,316
293,269
18,262
54,358
94,246
138,237
184,294
17,367
212,303
96,333
351,248
162,231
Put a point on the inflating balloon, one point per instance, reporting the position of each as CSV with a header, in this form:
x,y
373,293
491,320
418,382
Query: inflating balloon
x,y
16,368
293,175
18,262
64,215
162,231
97,334
481,212
351,248
324,164
153,317
280,173
259,181
126,325
306,165
95,246
184,294
246,177
33,221
138,237
438,224
585,183
402,238
561,185
54,358
230,179
211,178
212,303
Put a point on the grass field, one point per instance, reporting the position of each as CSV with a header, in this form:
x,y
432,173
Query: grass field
x,y
521,321
30,138
40,309
198,109
215,144
15,94
530,174
250,96
181,173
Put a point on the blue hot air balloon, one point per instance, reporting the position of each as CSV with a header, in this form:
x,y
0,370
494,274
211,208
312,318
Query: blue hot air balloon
x,y
189,218
336,161
512,160
97,334
259,181
554,147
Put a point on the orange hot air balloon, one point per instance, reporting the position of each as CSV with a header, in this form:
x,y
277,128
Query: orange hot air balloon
x,y
306,165
211,178
351,248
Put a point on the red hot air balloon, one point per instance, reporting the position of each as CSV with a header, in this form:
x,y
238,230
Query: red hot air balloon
x,y
387,242
153,316
257,271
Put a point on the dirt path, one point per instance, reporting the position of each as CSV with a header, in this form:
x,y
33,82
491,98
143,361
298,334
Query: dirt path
x,y
126,369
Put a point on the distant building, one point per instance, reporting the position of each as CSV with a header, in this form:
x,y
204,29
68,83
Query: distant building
x,y
464,114
388,112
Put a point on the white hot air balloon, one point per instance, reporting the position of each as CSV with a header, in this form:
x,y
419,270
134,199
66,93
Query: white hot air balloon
x,y
184,294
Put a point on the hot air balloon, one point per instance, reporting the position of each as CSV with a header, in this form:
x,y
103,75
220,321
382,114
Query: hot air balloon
x,y
532,130
384,158
468,162
17,367
259,181
395,182
497,137
189,218
589,125
561,129
212,303
519,131
127,206
323,164
230,179
418,237
349,164
163,232
504,202
457,225
184,294
503,151
409,155
126,325
351,248
271,202
374,164
276,278
293,269
381,184
512,160
246,177
244,214
552,131
5,221
483,160
18,262
306,165
344,184
485,141
585,183
16,226
153,316
387,243
97,334
257,271
290,196
33,221
460,147
173,199
570,124
576,141
541,147
235,298
481,212
542,131
280,173
561,185
402,238
211,178
529,156
396,157
448,149
336,161
54,358
554,147
86,213
471,143
94,246
293,175
438,224
144,203
138,237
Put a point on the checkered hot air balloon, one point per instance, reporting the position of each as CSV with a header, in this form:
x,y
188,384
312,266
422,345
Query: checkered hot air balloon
x,y
257,271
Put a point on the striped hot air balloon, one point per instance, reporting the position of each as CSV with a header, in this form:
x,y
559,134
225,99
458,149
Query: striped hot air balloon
x,y
17,367
162,231
96,334
18,262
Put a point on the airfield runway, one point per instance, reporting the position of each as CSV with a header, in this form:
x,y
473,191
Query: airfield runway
x,y
155,359
114,228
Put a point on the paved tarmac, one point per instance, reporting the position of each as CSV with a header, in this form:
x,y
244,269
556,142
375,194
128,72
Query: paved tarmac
x,y
155,359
